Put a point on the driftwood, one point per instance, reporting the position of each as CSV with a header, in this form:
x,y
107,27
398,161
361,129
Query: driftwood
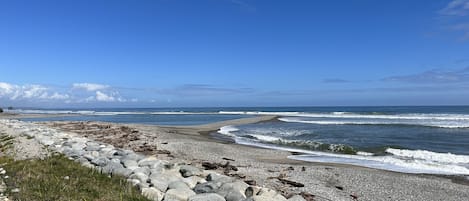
x,y
291,183
210,166
228,159
250,182
307,196
227,167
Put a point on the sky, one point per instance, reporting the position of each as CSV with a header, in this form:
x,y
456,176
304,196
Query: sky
x,y
221,53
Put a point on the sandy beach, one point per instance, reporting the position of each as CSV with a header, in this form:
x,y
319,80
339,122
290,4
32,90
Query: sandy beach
x,y
194,144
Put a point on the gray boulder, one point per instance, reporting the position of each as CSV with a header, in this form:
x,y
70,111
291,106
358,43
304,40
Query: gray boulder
x,y
129,163
143,178
189,170
178,185
144,170
123,172
296,198
178,194
152,194
233,191
100,161
206,197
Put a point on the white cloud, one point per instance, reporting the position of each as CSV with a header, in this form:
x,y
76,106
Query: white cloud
x,y
100,96
58,96
90,86
29,92
456,8
88,93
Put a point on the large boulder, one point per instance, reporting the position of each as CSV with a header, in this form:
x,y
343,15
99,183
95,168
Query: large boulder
x,y
152,194
206,197
233,191
178,194
189,170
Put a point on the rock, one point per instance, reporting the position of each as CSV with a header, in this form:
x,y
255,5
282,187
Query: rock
x,y
207,187
15,190
206,197
233,191
143,178
189,170
107,151
120,153
194,180
81,160
148,161
219,177
252,190
47,142
3,186
110,167
152,194
134,182
296,198
144,170
92,148
88,165
115,160
142,185
101,161
129,163
178,185
266,194
162,181
123,172
178,194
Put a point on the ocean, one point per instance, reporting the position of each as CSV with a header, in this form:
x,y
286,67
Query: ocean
x,y
413,139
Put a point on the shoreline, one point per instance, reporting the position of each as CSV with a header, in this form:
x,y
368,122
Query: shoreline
x,y
326,180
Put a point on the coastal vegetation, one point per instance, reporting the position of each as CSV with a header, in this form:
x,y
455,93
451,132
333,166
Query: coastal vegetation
x,y
58,178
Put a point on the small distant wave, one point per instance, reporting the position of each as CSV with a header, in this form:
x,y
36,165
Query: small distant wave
x,y
440,124
368,115
107,113
83,112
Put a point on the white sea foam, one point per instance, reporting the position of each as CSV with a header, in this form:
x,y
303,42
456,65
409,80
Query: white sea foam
x,y
389,162
408,161
429,156
266,138
227,130
363,153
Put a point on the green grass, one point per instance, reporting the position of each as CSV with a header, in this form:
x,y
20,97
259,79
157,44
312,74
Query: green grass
x,y
44,180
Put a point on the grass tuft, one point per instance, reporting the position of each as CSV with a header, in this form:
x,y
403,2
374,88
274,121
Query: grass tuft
x,y
43,180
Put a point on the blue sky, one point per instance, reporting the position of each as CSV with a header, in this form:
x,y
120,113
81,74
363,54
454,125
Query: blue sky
x,y
170,53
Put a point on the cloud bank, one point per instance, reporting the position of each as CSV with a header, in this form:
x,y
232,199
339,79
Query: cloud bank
x,y
90,86
434,76
76,93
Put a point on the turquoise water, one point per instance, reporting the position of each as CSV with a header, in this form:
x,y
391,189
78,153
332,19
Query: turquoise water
x,y
407,139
